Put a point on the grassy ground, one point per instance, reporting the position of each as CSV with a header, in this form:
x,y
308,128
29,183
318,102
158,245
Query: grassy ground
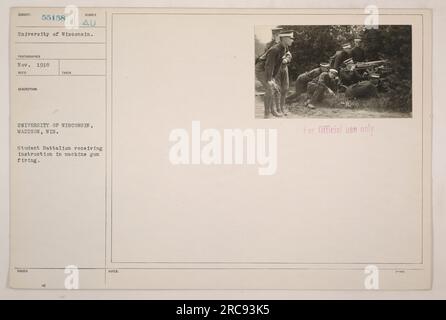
x,y
338,108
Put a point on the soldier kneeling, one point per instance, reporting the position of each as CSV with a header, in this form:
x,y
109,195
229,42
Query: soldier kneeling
x,y
304,78
322,88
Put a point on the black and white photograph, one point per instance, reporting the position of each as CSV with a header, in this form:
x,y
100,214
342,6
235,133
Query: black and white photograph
x,y
333,71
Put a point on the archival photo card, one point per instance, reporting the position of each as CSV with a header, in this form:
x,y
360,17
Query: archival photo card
x,y
138,162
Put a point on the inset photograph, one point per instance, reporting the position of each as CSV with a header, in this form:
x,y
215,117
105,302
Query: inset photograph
x,y
333,71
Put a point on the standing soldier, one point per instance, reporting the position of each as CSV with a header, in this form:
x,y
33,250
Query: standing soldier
x,y
304,78
261,59
358,53
283,76
268,67
322,87
275,32
341,56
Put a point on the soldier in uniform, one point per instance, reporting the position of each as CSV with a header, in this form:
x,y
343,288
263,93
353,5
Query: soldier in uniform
x,y
267,68
364,89
322,87
283,80
358,53
275,32
341,56
304,78
349,75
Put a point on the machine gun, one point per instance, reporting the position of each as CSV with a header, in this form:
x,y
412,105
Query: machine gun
x,y
366,69
381,67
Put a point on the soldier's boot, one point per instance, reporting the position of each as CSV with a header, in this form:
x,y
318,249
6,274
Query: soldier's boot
x,y
275,105
283,110
267,104
267,113
275,110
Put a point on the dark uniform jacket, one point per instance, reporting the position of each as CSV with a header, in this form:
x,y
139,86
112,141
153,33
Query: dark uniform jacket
x,y
272,60
270,44
358,54
349,77
340,57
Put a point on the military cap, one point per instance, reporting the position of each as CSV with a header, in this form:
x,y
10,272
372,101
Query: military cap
x,y
276,29
346,46
334,71
324,65
286,34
